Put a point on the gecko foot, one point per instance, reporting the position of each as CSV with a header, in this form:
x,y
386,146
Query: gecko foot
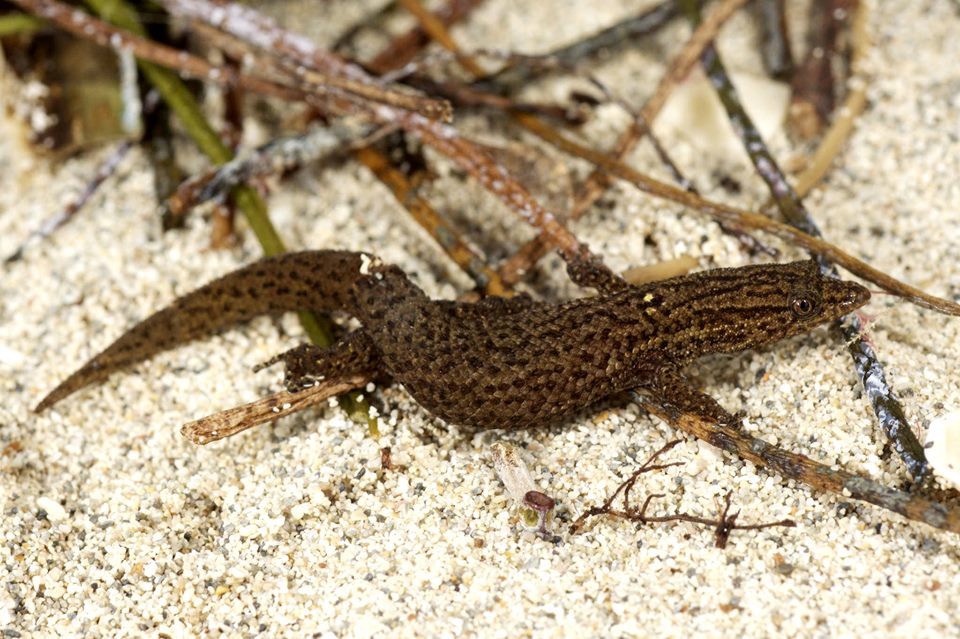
x,y
300,366
308,364
734,421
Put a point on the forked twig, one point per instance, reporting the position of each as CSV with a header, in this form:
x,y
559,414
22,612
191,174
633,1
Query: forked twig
x,y
723,526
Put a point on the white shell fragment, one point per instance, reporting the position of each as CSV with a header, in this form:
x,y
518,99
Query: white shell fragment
x,y
536,507
55,512
694,112
943,446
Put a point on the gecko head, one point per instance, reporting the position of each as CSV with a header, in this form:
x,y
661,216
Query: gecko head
x,y
792,299
815,298
731,310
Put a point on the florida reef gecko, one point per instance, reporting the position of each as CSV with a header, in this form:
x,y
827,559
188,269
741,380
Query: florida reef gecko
x,y
500,363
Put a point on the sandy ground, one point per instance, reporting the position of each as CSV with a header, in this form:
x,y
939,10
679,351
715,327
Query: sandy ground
x,y
114,525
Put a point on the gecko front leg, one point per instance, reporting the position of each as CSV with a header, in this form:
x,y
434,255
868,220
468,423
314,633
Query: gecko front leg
x,y
675,392
589,273
307,364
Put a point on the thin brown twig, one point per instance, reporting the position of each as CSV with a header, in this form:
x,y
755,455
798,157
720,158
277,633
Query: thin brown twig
x,y
463,95
394,56
105,34
315,67
444,138
255,28
311,82
432,223
405,48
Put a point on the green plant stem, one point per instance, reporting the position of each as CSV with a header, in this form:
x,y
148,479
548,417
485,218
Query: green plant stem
x,y
16,23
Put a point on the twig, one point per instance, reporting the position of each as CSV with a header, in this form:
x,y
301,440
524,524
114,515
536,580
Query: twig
x,y
522,260
251,205
723,526
449,239
107,168
478,165
626,486
394,56
257,29
463,95
803,469
776,40
404,48
529,68
236,420
279,155
886,406
485,170
312,83
103,33
679,69
445,139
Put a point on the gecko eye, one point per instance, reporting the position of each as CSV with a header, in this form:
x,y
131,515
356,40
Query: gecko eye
x,y
804,305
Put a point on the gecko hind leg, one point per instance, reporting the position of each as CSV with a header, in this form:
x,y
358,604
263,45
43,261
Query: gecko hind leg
x,y
307,364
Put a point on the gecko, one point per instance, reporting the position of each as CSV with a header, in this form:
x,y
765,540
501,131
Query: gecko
x,y
501,363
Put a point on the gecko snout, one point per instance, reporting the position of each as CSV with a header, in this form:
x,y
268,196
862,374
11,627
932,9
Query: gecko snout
x,y
854,297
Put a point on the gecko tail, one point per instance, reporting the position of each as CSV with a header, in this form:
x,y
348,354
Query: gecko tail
x,y
308,280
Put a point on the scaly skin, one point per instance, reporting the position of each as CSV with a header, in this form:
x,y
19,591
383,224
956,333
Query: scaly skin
x,y
501,363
